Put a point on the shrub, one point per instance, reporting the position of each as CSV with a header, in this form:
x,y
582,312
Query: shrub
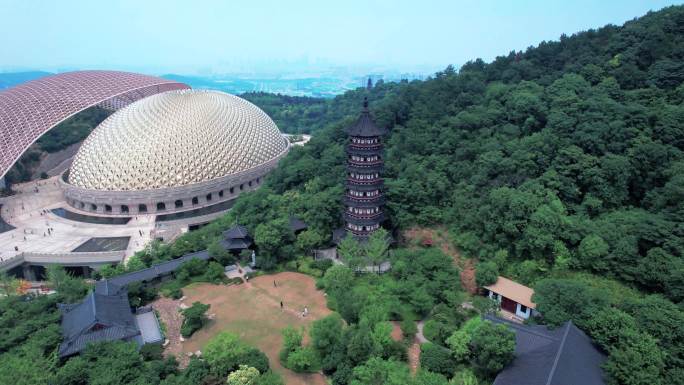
x,y
194,319
214,272
292,340
464,377
151,352
303,359
255,358
408,328
437,359
437,332
322,264
459,342
225,352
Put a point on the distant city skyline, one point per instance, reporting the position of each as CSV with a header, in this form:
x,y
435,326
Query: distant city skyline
x,y
271,38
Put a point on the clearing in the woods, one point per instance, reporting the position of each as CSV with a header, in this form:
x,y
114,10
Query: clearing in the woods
x,y
252,311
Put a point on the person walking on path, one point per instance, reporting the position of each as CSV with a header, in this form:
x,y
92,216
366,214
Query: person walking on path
x,y
281,305
274,283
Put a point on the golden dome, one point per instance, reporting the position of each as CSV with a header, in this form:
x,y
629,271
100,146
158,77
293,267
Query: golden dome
x,y
174,139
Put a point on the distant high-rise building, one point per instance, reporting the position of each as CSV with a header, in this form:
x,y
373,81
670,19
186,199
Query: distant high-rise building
x,y
370,84
364,198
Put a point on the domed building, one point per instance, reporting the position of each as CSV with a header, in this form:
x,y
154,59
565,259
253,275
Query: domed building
x,y
174,151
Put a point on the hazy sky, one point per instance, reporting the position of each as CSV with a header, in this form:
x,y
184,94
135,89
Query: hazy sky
x,y
197,36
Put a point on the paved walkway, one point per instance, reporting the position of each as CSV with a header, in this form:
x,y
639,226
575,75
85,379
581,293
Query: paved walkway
x,y
419,335
29,212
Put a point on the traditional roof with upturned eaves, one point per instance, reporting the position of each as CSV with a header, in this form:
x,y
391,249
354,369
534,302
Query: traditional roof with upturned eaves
x,y
365,125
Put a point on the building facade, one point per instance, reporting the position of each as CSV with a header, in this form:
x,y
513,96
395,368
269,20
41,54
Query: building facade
x,y
364,199
513,297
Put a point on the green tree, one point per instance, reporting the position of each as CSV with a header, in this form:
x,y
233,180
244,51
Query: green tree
x,y
219,253
351,252
194,318
437,359
377,246
459,342
223,353
377,371
309,240
486,273
493,347
292,341
560,300
303,359
637,360
214,272
69,288
609,326
326,334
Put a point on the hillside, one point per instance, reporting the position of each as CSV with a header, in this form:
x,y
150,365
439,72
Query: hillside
x,y
545,165
567,145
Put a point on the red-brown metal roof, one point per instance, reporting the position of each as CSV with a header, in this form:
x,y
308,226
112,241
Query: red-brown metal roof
x,y
29,110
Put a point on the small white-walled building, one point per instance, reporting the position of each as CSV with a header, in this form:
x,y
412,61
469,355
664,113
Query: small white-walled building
x,y
513,297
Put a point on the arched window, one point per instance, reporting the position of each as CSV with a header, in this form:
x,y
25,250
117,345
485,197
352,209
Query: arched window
x,y
108,208
195,201
93,207
209,197
124,208
220,194
178,203
142,208
161,206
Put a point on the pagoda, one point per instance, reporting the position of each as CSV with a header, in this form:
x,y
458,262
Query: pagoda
x,y
363,197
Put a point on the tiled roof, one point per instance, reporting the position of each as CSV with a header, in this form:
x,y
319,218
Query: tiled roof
x,y
157,270
563,356
107,307
110,314
513,290
236,232
364,125
297,224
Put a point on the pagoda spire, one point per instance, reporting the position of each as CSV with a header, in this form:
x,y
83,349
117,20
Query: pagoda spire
x,y
363,199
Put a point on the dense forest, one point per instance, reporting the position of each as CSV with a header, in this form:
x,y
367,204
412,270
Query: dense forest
x,y
571,150
561,167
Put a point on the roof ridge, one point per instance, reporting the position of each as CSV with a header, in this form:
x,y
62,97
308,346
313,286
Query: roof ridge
x,y
558,353
92,299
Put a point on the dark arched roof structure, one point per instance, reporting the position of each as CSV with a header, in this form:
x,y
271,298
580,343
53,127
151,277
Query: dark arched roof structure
x,y
29,110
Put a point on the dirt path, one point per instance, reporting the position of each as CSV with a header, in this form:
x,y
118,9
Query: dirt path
x,y
172,319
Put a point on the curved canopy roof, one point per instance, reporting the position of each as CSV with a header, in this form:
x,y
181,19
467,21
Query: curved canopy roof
x,y
31,109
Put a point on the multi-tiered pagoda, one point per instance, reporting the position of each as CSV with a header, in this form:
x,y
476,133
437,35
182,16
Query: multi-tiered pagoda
x,y
363,198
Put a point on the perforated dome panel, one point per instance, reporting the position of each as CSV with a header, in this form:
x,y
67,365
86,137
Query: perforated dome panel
x,y
175,139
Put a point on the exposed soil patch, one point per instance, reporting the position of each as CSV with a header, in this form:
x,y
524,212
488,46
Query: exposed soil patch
x,y
168,310
252,311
